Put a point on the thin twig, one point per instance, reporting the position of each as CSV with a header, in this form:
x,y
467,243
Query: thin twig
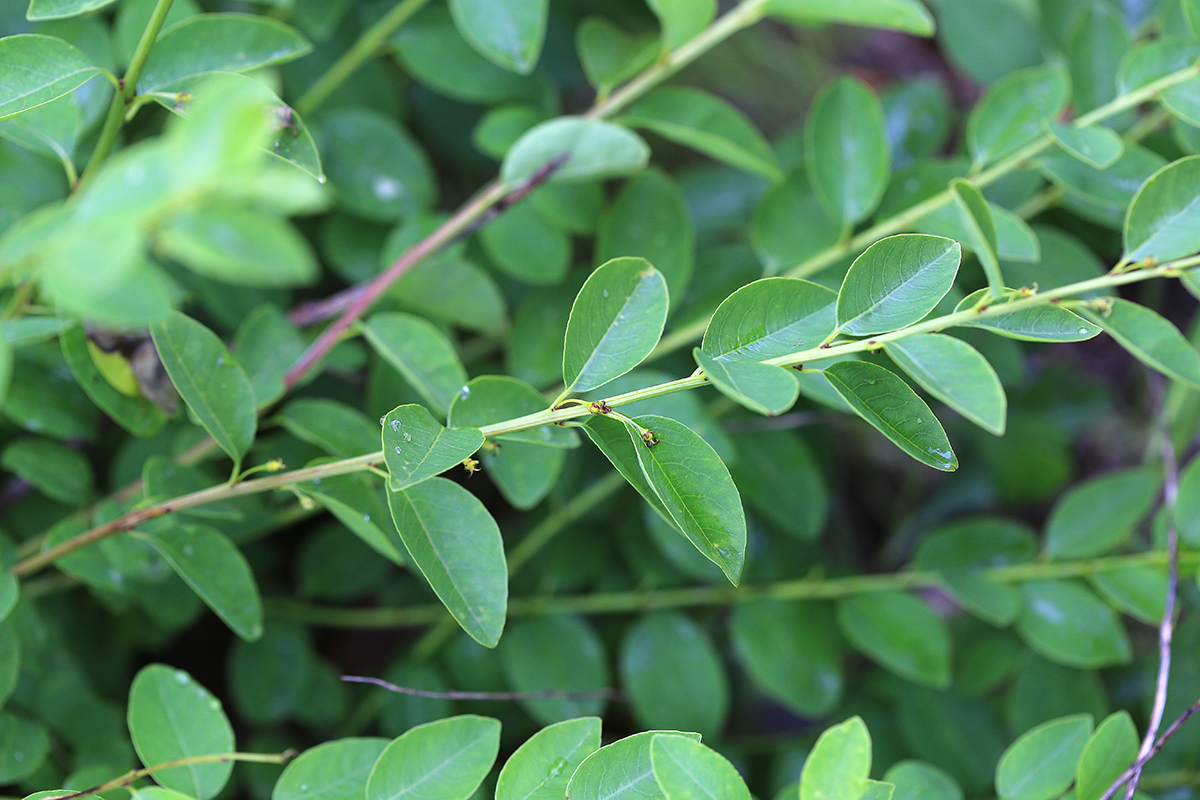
x,y
1136,766
589,694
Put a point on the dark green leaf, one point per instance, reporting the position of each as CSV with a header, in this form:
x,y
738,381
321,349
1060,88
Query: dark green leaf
x,y
416,447
613,439
540,768
335,770
377,169
443,760
780,477
24,745
359,505
421,353
904,15
769,318
1164,216
555,653
686,769
776,238
1150,338
171,716
764,388
1015,111
267,346
790,650
1066,623
845,148
901,633
268,678
209,380
505,32
615,322
336,428
1096,516
593,149
1092,144
1046,323
526,247
896,282
895,410
39,69
838,764
1040,765
54,469
955,373
455,543
1112,747
496,398
10,650
619,771
9,592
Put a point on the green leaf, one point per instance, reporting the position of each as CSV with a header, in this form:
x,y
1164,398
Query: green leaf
x,y
335,770
918,115
681,20
1140,592
378,170
24,745
1102,194
901,632
955,373
777,240
1014,112
54,469
1040,764
593,149
1096,516
456,544
674,675
903,15
980,228
52,128
778,474
894,409
521,244
359,505
1164,217
916,780
506,32
696,490
896,282
1046,323
239,245
615,322
838,764
10,649
555,652
846,149
496,398
217,572
700,120
59,9
764,388
267,345
10,590
614,441
1150,338
416,447
268,677
687,770
209,380
422,354
443,760
1066,623
218,43
172,716
39,69
336,428
1095,145
1112,747
610,55
790,650
769,318
622,770
135,414
540,768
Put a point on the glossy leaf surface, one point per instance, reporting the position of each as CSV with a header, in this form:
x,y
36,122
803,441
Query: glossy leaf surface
x,y
417,447
421,353
686,769
620,771
39,69
540,768
769,318
896,282
1164,218
1040,764
1150,338
839,763
592,149
846,150
763,388
443,760
507,33
955,373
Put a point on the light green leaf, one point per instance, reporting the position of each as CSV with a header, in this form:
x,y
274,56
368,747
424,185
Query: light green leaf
x,y
790,650
695,488
1045,323
58,9
1014,112
335,770
895,410
903,15
496,398
687,770
1112,748
976,219
377,168
777,240
52,128
239,245
1096,516
209,380
838,764
1163,221
416,447
443,760
1040,764
900,632
614,441
620,771
694,118
540,768
218,43
39,69
896,282
615,322
916,780
1150,338
456,544
681,20
592,148
1140,592
1092,144
422,354
506,32
1066,623
764,388
555,652
610,55
846,149
172,716
769,318
955,373
217,572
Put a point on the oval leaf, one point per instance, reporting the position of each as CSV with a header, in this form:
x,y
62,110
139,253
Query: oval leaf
x,y
555,652
1112,747
1014,112
764,388
334,770
421,353
38,69
496,398
790,650
1163,221
955,373
895,410
592,149
620,771
896,282
171,716
456,544
903,15
769,318
1096,516
443,760
234,244
1040,764
1068,624
686,769
506,32
1092,144
846,149
209,380
59,9
916,780
1150,338
540,768
1046,323
134,413
416,446
838,764
900,632
615,322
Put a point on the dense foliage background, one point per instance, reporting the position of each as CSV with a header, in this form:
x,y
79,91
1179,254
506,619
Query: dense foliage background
x,y
238,238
